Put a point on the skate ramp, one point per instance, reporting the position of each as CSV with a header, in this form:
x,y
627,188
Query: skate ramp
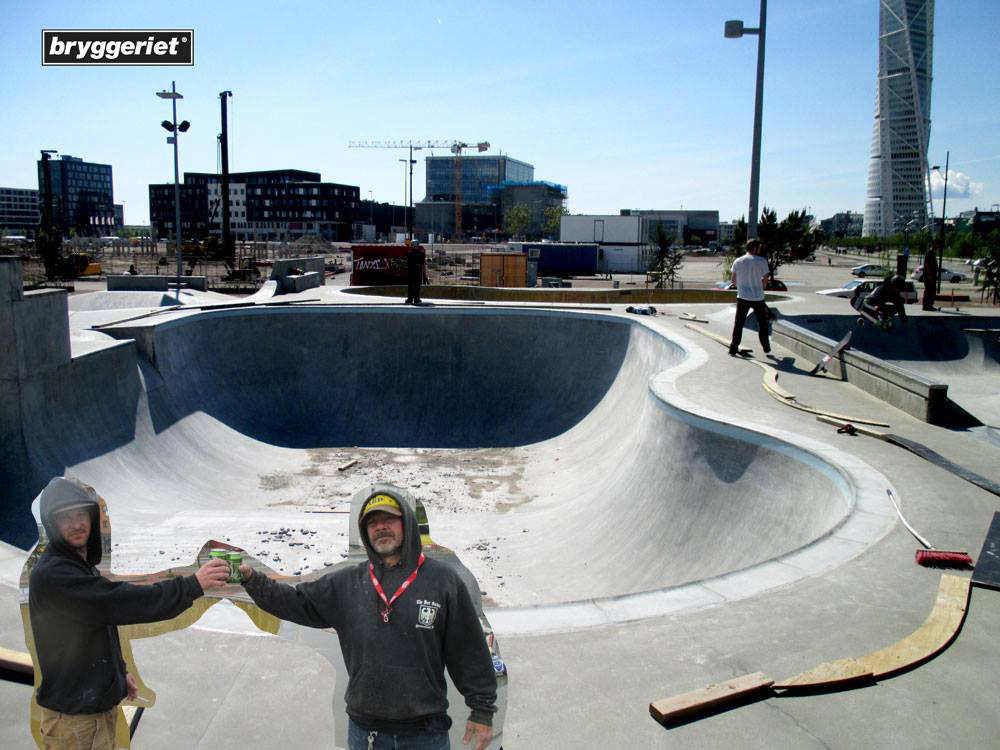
x,y
606,488
961,351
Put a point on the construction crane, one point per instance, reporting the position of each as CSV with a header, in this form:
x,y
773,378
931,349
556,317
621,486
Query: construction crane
x,y
456,148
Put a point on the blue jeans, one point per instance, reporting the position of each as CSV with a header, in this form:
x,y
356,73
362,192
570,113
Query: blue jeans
x,y
362,739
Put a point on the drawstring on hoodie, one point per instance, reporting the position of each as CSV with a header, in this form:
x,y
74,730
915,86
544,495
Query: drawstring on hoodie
x,y
371,740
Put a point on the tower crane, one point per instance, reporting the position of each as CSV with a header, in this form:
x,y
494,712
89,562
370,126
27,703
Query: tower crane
x,y
456,148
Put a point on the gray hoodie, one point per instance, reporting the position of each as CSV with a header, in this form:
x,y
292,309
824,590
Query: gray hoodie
x,y
395,669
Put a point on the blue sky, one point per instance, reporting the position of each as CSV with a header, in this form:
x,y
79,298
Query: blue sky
x,y
628,104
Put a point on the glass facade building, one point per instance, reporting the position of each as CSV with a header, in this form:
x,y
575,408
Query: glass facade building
x,y
897,191
19,211
82,195
478,174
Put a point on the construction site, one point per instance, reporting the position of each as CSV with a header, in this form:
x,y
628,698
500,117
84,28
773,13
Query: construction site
x,y
672,547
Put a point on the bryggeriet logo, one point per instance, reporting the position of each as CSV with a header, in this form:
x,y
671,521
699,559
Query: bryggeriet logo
x,y
117,47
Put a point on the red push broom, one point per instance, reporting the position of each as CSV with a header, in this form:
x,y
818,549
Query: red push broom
x,y
932,557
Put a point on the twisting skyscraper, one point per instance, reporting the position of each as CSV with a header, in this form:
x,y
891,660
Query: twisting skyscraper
x,y
898,176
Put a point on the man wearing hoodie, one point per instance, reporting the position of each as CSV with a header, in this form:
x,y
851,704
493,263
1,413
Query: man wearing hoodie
x,y
401,619
75,612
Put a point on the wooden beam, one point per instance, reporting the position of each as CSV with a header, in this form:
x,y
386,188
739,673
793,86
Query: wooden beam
x,y
706,698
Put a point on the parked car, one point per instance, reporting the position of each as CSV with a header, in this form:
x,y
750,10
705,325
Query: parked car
x,y
847,290
867,287
869,269
946,274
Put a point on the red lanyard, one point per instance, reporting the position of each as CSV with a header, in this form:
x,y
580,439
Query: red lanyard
x,y
405,585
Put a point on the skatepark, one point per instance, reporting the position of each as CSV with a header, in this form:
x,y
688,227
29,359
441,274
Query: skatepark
x,y
642,516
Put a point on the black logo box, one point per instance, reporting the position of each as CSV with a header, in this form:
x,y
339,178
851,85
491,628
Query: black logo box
x,y
117,47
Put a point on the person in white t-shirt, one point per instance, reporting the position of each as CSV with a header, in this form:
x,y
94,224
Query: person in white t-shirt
x,y
750,273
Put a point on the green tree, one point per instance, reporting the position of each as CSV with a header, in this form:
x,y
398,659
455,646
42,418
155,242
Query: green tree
x,y
517,220
782,242
553,215
667,261
990,266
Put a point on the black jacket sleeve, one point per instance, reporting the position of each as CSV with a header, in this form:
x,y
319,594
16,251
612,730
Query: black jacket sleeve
x,y
296,604
469,662
98,601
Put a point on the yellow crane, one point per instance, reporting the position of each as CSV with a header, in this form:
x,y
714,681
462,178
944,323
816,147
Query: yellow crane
x,y
456,148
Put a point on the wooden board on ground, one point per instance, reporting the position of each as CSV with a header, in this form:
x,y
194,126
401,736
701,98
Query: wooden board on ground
x,y
706,698
689,316
932,637
987,572
832,674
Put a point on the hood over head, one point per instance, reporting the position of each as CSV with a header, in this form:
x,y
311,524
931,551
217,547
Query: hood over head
x,y
63,493
383,499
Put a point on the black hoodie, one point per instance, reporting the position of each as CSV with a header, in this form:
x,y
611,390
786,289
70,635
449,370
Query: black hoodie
x,y
395,669
74,611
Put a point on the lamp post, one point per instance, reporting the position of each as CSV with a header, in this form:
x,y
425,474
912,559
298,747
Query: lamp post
x,y
175,129
409,214
944,207
734,30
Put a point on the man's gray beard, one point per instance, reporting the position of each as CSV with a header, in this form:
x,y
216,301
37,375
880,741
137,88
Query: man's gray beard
x,y
383,551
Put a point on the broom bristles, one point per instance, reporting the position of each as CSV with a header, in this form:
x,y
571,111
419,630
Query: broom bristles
x,y
943,558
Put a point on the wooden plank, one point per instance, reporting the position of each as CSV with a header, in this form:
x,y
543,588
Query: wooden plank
x,y
828,675
713,696
771,382
987,572
16,661
930,638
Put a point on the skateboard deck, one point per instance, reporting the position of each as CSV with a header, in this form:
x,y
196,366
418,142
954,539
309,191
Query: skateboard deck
x,y
821,365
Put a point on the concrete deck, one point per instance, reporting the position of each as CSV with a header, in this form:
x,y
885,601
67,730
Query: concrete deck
x,y
646,460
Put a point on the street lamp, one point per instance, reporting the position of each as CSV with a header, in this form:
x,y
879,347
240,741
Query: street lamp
x,y
734,30
173,127
944,206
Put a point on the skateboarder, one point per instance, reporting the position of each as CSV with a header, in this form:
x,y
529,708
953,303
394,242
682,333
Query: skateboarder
x,y
750,273
884,303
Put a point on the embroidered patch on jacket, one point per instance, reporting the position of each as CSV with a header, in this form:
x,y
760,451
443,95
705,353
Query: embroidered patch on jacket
x,y
426,613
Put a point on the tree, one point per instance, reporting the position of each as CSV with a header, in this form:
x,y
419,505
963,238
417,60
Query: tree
x,y
553,216
990,266
517,220
667,261
782,242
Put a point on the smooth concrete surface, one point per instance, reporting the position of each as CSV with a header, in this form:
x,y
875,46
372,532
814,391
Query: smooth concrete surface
x,y
588,686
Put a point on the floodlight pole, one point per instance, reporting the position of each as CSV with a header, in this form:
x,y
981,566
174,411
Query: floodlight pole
x,y
174,96
734,30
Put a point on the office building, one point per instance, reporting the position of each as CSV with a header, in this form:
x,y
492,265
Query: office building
x,y
844,224
684,227
19,213
538,197
435,214
82,197
898,180
284,204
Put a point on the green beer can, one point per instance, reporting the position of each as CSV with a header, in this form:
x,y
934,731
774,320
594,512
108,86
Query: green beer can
x,y
235,559
218,554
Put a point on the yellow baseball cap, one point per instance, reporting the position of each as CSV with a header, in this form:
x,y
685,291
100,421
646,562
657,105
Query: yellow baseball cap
x,y
381,502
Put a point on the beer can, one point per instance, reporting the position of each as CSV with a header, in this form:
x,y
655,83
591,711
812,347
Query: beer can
x,y
235,559
218,554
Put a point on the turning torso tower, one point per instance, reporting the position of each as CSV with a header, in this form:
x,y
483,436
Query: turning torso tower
x,y
897,176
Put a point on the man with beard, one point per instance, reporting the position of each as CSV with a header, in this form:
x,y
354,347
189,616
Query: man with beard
x,y
401,619
75,613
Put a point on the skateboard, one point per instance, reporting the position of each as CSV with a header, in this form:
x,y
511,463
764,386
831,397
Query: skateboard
x,y
837,349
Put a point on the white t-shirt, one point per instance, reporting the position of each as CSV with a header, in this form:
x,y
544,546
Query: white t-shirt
x,y
748,273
